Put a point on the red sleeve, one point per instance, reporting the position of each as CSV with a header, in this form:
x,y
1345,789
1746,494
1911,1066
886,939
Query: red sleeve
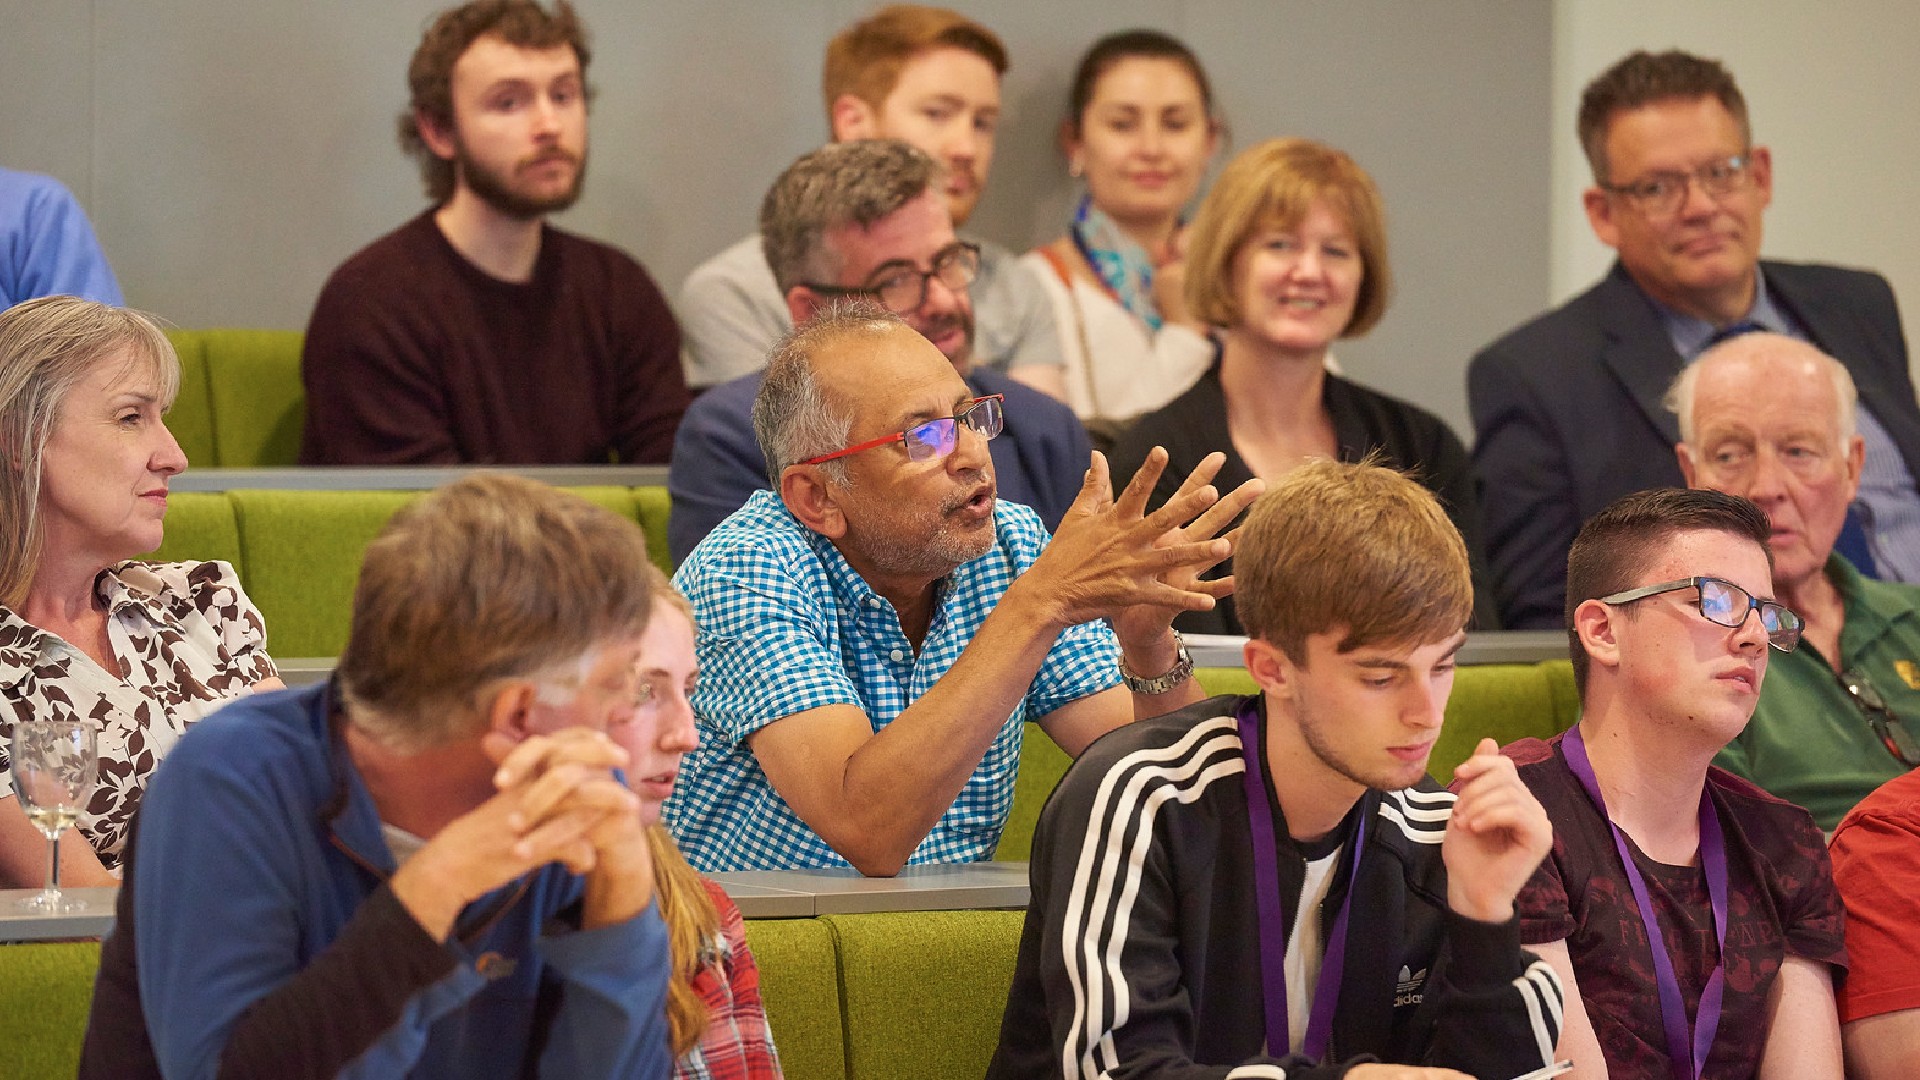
x,y
738,1044
1876,864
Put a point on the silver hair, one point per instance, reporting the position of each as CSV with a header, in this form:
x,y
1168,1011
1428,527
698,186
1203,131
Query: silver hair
x,y
794,418
849,183
1679,397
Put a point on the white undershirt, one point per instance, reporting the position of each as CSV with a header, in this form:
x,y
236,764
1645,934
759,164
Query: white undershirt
x,y
1305,949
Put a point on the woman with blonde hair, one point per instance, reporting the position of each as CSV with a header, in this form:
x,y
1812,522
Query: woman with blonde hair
x,y
140,650
714,1013
1287,255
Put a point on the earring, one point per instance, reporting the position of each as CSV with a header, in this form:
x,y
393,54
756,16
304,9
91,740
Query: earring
x,y
1074,168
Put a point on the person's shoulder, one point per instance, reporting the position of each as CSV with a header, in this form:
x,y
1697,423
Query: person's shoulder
x,y
23,190
1418,419
1183,747
760,538
607,260
740,265
1753,804
1416,815
1567,334
389,267
732,399
1897,800
1021,399
1826,277
255,738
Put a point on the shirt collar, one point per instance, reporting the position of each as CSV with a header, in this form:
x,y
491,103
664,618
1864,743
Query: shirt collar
x,y
1690,335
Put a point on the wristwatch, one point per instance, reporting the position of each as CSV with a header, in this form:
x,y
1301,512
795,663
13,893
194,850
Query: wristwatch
x,y
1181,671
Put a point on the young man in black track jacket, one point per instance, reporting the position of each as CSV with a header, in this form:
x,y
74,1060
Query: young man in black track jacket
x,y
1157,924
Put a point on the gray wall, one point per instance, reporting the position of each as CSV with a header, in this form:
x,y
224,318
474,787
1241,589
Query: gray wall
x,y
231,152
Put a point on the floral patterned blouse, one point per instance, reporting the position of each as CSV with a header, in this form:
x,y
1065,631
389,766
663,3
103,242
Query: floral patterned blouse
x,y
189,641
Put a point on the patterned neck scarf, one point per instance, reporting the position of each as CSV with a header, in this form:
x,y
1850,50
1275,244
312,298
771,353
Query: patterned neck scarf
x,y
1121,264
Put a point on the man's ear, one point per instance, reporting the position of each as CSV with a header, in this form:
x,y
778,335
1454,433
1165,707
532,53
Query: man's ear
x,y
439,139
1685,454
807,494
509,713
802,303
1594,622
1270,668
852,118
1599,207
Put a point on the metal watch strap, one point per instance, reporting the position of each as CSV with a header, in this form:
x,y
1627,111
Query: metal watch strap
x,y
1181,671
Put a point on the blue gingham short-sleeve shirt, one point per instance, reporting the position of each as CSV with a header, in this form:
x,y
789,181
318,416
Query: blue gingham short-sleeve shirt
x,y
785,625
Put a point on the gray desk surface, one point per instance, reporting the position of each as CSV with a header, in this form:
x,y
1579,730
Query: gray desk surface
x,y
96,921
1498,647
411,478
761,894
917,888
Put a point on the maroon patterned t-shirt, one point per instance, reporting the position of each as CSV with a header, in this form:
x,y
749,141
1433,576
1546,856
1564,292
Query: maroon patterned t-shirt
x,y
1780,900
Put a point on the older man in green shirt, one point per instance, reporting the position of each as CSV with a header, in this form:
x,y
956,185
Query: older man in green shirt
x,y
1772,419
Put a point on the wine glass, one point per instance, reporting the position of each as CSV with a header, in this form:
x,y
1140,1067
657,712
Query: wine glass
x,y
54,769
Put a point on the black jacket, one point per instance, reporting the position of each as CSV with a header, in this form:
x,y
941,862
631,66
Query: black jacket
x,y
1143,851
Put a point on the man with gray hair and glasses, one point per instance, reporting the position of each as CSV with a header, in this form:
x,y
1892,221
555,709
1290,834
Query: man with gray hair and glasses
x,y
1567,409
869,219
875,633
1771,419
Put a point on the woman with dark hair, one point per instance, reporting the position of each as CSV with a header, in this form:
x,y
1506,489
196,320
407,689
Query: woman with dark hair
x,y
1140,132
1287,255
140,650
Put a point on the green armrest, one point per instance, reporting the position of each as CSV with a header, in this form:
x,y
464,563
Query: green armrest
x,y
259,403
655,505
46,989
924,990
800,987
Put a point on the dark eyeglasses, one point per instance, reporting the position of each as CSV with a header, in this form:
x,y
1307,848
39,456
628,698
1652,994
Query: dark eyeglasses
x,y
1886,726
1727,604
1664,192
902,289
937,438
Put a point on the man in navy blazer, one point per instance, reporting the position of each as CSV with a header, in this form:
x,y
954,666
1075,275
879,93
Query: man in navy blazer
x,y
868,218
1567,409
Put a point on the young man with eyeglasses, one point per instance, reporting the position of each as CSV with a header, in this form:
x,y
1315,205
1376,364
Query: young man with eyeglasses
x,y
1566,409
868,219
874,633
1771,419
1691,916
929,77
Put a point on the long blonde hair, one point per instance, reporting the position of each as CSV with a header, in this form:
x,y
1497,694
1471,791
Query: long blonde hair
x,y
692,922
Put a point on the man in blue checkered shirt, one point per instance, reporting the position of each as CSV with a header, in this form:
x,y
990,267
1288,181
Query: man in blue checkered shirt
x,y
876,630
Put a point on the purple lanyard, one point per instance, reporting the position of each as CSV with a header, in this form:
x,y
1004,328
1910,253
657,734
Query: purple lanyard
x,y
1713,856
1272,917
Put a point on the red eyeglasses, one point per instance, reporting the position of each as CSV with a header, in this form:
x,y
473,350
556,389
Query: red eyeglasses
x,y
936,438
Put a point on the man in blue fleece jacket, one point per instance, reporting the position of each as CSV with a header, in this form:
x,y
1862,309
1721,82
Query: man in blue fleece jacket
x,y
428,867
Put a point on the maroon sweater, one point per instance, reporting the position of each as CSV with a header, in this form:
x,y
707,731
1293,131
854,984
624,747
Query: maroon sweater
x,y
415,356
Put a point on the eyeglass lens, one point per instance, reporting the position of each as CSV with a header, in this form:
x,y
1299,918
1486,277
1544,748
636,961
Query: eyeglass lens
x,y
906,290
937,438
1728,604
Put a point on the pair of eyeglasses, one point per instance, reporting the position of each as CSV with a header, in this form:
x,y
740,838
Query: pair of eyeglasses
x,y
937,438
1664,192
1728,605
901,289
1886,726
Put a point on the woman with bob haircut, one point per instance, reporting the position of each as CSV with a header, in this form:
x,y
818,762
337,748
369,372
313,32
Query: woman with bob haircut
x,y
1288,254
139,649
715,1017
1140,132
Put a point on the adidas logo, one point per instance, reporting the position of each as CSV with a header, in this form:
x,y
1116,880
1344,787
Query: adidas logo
x,y
1406,988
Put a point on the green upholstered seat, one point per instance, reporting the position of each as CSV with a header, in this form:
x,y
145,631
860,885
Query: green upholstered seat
x,y
191,418
303,550
46,989
800,986
200,527
653,505
259,403
923,991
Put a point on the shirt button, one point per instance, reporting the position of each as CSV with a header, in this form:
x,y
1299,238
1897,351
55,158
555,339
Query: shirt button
x,y
898,656
873,601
